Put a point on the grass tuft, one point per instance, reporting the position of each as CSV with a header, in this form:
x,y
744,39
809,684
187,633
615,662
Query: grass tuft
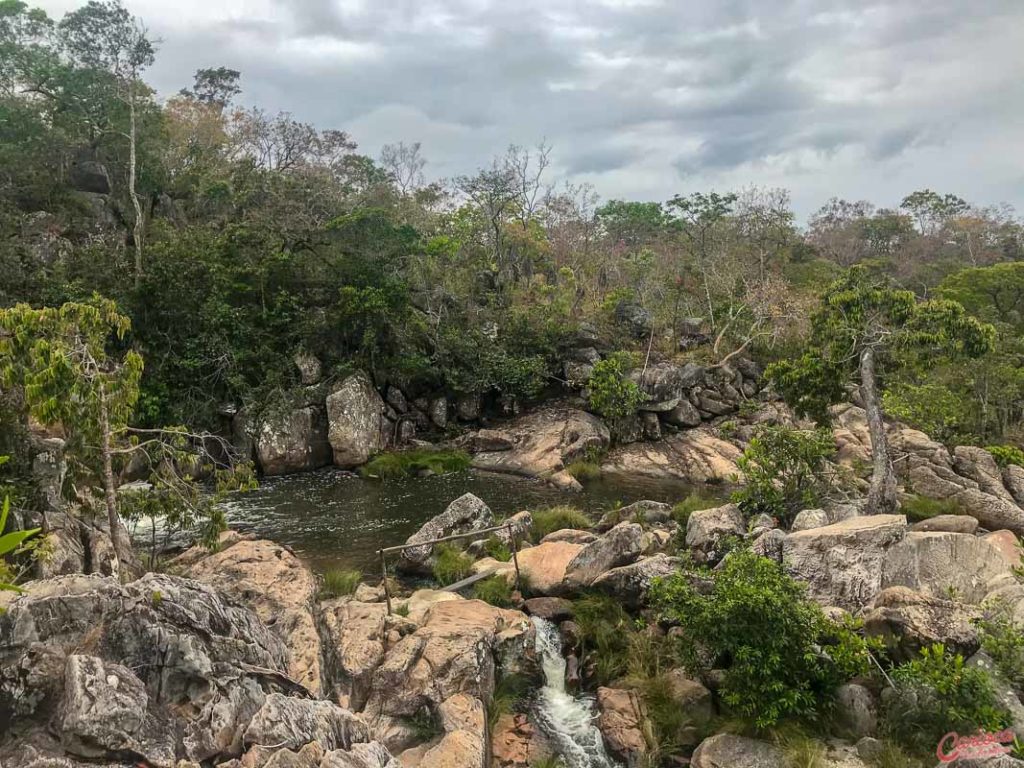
x,y
918,508
397,464
695,502
451,564
494,590
340,583
584,470
553,519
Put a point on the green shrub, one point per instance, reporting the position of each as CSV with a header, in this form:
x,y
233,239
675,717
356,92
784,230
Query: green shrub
x,y
388,466
498,549
604,631
451,564
584,470
612,395
340,583
938,693
553,519
509,696
784,471
1005,455
494,590
695,502
1003,639
918,508
784,657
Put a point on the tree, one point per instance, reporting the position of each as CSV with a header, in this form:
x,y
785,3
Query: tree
x,y
215,87
404,164
932,210
861,325
765,222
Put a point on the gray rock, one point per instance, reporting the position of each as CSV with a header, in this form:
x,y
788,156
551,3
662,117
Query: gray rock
x,y
770,544
728,751
396,399
978,465
944,565
292,722
947,524
293,441
1005,693
310,370
87,175
354,414
644,511
467,513
636,320
993,512
684,414
650,425
620,546
810,518
630,583
908,621
706,528
438,412
856,714
467,408
551,608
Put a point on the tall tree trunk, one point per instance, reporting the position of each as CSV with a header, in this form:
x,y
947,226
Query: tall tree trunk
x,y
137,230
110,489
882,491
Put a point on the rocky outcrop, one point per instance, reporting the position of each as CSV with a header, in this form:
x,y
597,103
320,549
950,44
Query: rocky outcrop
x,y
620,546
908,621
630,583
707,528
729,751
621,719
356,422
293,441
545,565
693,456
466,514
543,442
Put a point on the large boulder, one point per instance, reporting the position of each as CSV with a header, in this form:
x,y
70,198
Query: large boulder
x,y
856,713
630,583
291,722
293,441
621,719
707,528
545,565
466,514
726,750
620,546
544,442
356,632
355,417
634,319
693,456
842,563
665,384
908,621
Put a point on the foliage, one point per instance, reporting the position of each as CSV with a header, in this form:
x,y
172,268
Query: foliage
x,y
785,471
612,394
389,466
451,564
785,657
604,631
510,692
12,543
918,508
494,590
556,518
495,547
1006,455
931,407
338,583
583,470
938,693
695,502
1002,638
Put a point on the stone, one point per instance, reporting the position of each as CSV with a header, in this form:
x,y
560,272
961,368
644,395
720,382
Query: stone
x,y
634,319
1008,546
947,524
769,544
354,415
571,535
978,465
1005,692
308,365
908,621
551,608
544,566
620,546
292,722
644,511
466,514
684,415
356,633
459,749
394,397
621,721
521,525
88,175
693,456
706,528
293,441
467,408
993,512
842,563
630,583
487,440
810,518
438,412
1013,479
650,426
695,701
855,712
517,743
726,750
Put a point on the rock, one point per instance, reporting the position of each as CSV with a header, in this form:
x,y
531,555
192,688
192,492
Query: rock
x,y
88,175
726,750
279,587
978,465
1008,546
621,720
693,456
310,370
551,608
630,583
544,442
1013,479
516,743
706,528
487,440
571,535
684,415
291,723
870,749
634,319
459,749
354,414
396,399
1005,693
650,426
521,524
356,633
769,544
293,441
696,703
993,512
105,711
620,546
856,714
663,384
544,566
908,621
810,518
947,524
464,515
842,563
438,412
645,511
467,408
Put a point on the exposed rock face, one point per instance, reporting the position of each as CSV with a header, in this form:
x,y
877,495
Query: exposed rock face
x,y
842,563
947,524
466,514
695,456
621,721
516,743
728,751
695,701
293,441
355,413
908,621
630,583
545,565
620,546
644,511
309,367
357,632
544,442
706,528
810,518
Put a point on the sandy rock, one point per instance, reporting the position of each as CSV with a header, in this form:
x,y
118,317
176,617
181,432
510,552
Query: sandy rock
x,y
978,465
621,720
356,633
943,565
464,515
947,524
571,535
620,546
517,743
551,608
810,518
354,415
1008,545
842,563
908,621
545,565
728,751
695,456
459,749
291,722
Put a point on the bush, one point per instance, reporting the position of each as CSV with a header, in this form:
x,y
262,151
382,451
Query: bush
x,y
604,630
451,564
494,590
918,508
785,471
612,395
388,466
340,583
1003,639
584,470
785,657
695,502
553,519
1005,455
938,693
498,549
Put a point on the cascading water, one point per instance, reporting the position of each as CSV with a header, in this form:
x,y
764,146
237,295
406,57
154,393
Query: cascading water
x,y
568,720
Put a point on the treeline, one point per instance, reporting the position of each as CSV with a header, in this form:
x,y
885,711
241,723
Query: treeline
x,y
234,237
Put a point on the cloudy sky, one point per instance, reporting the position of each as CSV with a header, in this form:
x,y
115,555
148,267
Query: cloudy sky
x,y
642,98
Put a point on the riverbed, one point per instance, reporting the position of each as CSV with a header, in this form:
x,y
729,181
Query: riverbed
x,y
332,519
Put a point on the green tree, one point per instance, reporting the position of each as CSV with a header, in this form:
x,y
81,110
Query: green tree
x,y
860,325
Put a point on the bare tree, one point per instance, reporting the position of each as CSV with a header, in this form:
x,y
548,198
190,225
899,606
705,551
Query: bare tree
x,y
404,165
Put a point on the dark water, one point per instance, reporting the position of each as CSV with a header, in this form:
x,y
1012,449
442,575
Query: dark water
x,y
334,520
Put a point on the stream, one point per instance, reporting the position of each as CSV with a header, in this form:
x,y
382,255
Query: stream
x,y
567,720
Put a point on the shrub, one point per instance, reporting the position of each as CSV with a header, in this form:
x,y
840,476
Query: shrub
x,y
918,508
604,630
498,549
612,394
340,583
785,471
695,502
1005,455
494,590
553,519
388,466
509,695
584,470
1003,639
451,564
785,657
938,693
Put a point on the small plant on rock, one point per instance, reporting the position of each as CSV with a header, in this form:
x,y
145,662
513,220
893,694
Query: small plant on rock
x,y
553,519
494,590
338,583
451,564
1005,455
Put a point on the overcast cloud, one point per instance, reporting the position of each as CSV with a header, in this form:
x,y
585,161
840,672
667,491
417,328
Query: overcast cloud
x,y
642,98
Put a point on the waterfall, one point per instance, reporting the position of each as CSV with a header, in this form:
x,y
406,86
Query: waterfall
x,y
566,719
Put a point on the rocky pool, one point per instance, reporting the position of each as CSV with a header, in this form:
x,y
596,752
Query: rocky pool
x,y
334,520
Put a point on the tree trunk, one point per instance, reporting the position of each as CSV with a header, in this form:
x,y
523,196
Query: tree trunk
x,y
882,491
137,229
110,489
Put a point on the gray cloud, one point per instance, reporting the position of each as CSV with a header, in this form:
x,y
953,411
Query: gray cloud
x,y
643,98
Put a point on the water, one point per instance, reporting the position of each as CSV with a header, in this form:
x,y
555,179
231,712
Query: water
x,y
334,520
568,720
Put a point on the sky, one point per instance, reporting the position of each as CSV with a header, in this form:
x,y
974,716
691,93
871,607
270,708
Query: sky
x,y
643,99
